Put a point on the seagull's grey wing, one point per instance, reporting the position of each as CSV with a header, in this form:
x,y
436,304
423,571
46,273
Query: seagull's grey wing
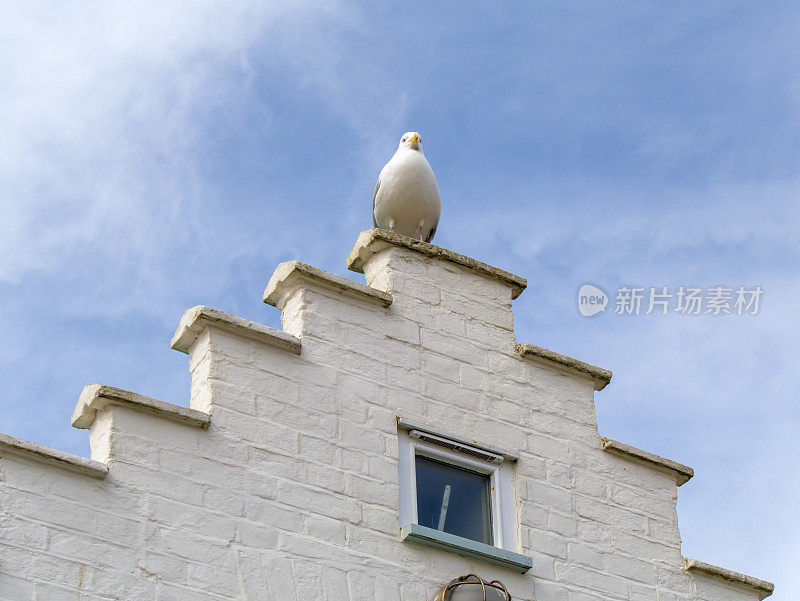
x,y
374,195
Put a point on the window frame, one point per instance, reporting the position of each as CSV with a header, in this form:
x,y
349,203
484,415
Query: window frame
x,y
501,481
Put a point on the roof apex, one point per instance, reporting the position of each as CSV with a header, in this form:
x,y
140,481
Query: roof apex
x,y
373,241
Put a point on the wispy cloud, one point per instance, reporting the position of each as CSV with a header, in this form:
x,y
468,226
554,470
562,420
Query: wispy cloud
x,y
157,155
110,111
707,391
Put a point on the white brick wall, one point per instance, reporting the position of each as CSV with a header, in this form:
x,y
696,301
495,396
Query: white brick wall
x,y
292,492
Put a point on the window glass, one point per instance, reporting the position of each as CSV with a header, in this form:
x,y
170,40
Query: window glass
x,y
454,500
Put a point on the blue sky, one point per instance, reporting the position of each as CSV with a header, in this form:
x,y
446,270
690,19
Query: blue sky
x,y
164,155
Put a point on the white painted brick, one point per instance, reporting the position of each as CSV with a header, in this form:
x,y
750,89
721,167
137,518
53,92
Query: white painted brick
x,y
632,568
216,580
325,528
372,491
663,530
597,581
598,535
318,501
584,555
23,533
223,500
381,519
190,518
590,485
292,492
15,588
549,496
547,542
565,525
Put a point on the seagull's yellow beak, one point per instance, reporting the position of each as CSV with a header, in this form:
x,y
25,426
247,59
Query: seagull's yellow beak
x,y
415,138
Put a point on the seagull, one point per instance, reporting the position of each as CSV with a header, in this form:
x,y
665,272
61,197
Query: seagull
x,y
406,198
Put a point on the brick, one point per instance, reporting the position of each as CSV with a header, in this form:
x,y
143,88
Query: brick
x,y
293,490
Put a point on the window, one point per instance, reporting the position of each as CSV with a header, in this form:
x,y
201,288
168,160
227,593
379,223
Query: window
x,y
458,495
453,499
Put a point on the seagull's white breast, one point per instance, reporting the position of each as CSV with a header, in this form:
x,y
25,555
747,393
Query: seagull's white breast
x,y
407,196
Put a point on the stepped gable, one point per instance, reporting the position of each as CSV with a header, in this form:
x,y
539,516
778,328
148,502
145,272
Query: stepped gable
x,y
290,473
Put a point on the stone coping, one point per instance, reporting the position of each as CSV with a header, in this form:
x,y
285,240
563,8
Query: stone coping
x,y
601,376
291,273
762,587
197,318
30,450
373,241
96,397
466,547
683,473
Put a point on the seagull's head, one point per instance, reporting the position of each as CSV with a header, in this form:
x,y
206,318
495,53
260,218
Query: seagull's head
x,y
411,140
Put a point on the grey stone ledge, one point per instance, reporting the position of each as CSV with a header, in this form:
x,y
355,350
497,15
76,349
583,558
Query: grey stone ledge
x,y
762,587
30,450
373,241
196,319
293,273
466,547
95,397
683,473
601,376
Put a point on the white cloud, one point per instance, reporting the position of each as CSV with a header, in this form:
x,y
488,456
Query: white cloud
x,y
97,146
106,107
104,110
710,392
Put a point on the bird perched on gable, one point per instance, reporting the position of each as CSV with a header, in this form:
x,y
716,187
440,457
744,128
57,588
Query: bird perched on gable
x,y
406,198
